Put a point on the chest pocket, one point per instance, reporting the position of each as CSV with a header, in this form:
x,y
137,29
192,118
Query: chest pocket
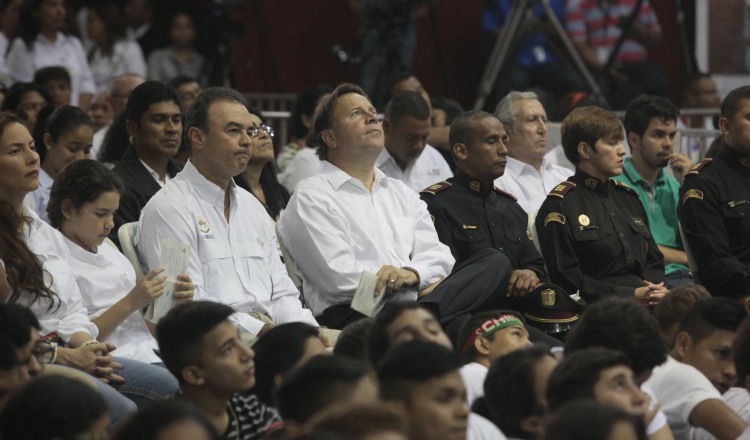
x,y
471,235
587,235
737,220
738,209
640,230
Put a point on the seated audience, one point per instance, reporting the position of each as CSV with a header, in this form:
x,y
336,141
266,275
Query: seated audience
x,y
100,112
56,81
594,231
486,337
112,53
529,175
403,81
515,392
670,311
406,156
201,347
154,125
650,130
422,380
445,111
26,100
281,350
118,94
67,138
180,57
592,420
352,342
259,177
54,407
699,370
362,422
234,257
170,420
187,89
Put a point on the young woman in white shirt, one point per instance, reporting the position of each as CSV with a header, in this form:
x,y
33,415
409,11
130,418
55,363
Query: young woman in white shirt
x,y
38,265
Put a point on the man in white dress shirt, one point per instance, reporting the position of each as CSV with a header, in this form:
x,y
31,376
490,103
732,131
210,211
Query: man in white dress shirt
x,y
407,156
234,257
528,175
351,218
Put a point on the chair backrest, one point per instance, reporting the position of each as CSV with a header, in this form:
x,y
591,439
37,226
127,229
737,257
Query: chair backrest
x,y
691,260
288,261
126,233
531,230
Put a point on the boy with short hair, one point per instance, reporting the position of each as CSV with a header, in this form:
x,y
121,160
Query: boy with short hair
x,y
56,81
202,348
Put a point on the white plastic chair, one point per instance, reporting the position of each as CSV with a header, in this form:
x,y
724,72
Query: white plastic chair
x,y
126,234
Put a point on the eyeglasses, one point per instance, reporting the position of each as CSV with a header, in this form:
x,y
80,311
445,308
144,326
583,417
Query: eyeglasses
x,y
255,131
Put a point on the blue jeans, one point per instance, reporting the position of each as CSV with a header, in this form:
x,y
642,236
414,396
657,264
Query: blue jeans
x,y
145,383
678,278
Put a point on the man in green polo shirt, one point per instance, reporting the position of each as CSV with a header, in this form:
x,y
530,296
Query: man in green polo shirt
x,y
650,126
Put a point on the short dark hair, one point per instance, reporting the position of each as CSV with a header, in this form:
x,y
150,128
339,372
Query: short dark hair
x,y
672,308
413,363
731,103
150,421
197,114
16,324
470,326
324,114
451,107
359,421
181,80
742,351
378,343
321,382
407,103
81,182
509,389
636,334
690,83
51,407
180,333
17,91
576,375
305,105
352,341
147,94
589,419
644,108
276,352
460,131
65,119
711,314
51,73
391,81
587,124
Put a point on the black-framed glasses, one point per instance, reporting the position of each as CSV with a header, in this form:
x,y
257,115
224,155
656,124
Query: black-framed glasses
x,y
255,131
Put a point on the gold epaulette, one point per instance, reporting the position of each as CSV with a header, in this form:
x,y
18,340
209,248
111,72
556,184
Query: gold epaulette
x,y
699,166
624,186
506,194
562,189
436,188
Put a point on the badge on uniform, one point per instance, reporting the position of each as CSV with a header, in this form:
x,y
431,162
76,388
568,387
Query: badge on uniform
x,y
476,186
584,220
554,217
638,221
203,225
692,194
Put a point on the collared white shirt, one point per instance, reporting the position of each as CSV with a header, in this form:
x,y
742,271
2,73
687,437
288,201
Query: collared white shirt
x,y
66,51
237,264
427,169
335,229
529,185
304,164
126,57
38,199
104,278
155,175
68,315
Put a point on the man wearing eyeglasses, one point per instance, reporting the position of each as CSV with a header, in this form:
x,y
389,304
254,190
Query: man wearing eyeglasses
x,y
234,257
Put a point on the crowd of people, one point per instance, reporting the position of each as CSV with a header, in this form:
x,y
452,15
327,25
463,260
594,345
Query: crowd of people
x,y
441,274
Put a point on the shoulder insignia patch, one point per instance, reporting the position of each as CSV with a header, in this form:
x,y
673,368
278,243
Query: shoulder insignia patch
x,y
698,167
505,193
436,188
554,217
624,186
692,194
562,189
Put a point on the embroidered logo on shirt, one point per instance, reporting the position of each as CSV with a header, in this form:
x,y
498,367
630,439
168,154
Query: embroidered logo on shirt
x,y
639,221
692,194
554,217
584,220
203,225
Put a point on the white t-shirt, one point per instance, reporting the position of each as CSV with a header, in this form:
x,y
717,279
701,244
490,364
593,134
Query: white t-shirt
x,y
104,278
679,388
473,375
335,229
736,398
427,169
38,199
126,57
235,263
529,185
482,429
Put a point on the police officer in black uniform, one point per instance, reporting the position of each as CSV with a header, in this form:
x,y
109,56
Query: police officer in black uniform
x,y
470,214
593,231
714,207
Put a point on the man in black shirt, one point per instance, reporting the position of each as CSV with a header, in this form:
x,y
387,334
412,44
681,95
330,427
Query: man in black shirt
x,y
714,207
